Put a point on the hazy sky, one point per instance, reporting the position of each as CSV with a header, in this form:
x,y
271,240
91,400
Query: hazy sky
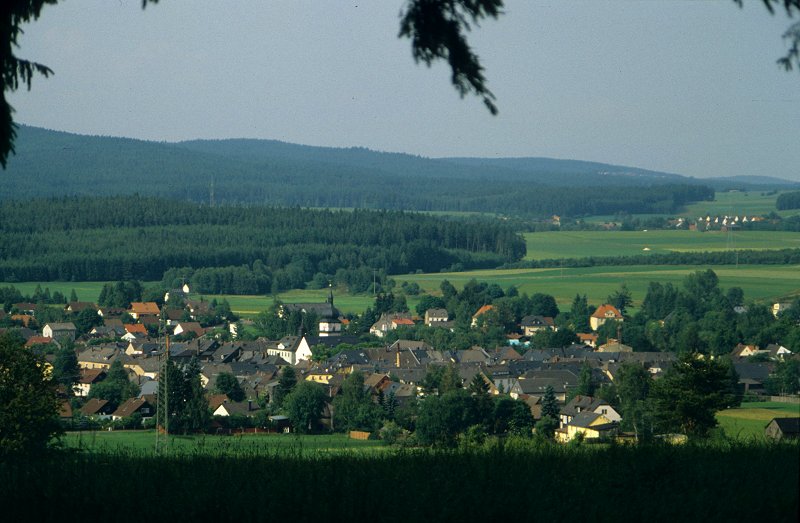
x,y
682,86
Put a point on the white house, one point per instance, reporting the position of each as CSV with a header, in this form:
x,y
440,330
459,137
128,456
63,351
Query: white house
x,y
58,331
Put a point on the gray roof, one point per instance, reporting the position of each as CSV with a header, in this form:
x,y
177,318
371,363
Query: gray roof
x,y
69,326
580,404
787,425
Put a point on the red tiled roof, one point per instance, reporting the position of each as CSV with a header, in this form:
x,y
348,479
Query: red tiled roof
x,y
38,340
604,309
135,328
482,310
148,307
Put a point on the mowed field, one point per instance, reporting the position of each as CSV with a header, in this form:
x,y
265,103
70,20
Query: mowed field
x,y
759,282
582,244
749,420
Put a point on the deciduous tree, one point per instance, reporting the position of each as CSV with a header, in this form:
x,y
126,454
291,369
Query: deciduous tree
x,y
304,406
28,401
226,383
354,408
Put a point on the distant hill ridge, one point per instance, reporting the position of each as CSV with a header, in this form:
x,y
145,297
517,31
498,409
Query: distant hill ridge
x,y
52,163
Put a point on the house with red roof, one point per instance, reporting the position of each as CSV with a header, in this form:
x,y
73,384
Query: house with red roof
x,y
483,310
603,314
139,309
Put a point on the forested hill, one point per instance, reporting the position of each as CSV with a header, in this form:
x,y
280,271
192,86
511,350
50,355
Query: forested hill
x,y
50,163
242,250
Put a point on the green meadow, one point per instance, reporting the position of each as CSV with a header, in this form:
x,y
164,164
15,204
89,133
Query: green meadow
x,y
252,305
737,203
750,420
244,305
583,244
86,290
759,282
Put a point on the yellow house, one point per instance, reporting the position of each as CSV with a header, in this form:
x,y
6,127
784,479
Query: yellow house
x,y
591,425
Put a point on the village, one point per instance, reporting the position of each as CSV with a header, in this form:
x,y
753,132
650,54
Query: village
x,y
241,378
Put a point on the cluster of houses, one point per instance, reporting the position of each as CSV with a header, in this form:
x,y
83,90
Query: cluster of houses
x,y
394,370
529,325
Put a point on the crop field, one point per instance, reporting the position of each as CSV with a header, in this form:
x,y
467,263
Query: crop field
x,y
143,442
749,420
759,282
582,244
503,482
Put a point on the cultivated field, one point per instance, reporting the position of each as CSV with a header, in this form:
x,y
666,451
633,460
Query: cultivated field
x,y
582,244
502,482
749,420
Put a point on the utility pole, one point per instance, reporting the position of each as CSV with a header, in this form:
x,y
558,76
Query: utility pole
x,y
162,401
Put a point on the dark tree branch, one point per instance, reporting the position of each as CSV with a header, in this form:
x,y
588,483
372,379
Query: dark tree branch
x,y
437,31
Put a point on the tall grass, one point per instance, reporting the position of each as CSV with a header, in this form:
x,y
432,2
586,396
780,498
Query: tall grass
x,y
519,481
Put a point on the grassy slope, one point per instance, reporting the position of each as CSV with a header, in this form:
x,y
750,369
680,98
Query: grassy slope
x,y
581,244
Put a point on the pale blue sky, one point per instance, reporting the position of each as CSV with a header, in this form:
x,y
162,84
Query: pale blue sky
x,y
683,86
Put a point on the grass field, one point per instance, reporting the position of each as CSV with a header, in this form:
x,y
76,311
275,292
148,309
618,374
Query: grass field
x,y
581,244
737,203
251,305
749,420
758,282
143,441
244,305
86,290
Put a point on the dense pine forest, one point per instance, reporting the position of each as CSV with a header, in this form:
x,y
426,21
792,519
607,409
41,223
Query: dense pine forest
x,y
242,249
49,163
789,200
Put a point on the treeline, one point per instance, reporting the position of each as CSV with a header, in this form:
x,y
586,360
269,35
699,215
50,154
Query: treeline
x,y
788,200
730,257
237,249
